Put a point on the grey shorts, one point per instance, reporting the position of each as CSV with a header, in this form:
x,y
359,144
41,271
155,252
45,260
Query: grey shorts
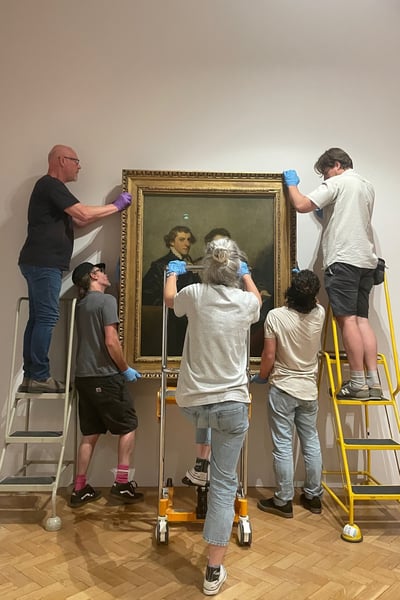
x,y
105,405
348,289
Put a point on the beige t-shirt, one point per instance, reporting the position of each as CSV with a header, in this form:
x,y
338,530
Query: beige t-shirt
x,y
348,202
298,341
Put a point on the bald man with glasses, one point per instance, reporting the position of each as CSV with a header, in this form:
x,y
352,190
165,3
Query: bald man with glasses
x,y
52,214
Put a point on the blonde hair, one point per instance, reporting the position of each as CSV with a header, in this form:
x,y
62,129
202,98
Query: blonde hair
x,y
222,262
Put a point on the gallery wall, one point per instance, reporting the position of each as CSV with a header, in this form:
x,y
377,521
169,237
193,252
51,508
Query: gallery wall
x,y
217,85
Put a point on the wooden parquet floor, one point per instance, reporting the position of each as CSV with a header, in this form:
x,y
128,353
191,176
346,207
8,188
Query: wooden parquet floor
x,y
105,552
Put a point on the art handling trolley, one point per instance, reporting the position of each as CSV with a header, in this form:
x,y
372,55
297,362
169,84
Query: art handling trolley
x,y
166,512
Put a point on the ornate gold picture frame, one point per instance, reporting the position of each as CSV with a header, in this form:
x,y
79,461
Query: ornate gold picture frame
x,y
252,207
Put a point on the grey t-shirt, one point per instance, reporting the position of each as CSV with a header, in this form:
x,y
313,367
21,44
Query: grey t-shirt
x,y
348,202
93,312
298,341
214,360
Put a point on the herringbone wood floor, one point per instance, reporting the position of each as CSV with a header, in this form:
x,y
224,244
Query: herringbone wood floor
x,y
105,552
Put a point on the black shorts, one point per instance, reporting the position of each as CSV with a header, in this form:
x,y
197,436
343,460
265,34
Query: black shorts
x,y
348,289
105,405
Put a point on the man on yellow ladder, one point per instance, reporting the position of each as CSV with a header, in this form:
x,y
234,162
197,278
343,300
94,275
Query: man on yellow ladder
x,y
350,261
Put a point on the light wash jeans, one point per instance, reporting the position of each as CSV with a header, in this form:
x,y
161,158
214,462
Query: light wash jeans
x,y
229,422
44,285
203,436
286,412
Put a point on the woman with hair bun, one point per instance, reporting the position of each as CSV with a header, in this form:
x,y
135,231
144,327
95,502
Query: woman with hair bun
x,y
212,387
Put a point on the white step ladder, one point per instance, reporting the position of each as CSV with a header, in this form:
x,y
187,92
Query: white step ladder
x,y
21,406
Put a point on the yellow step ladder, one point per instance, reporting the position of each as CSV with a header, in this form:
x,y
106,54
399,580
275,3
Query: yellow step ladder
x,y
38,455
356,472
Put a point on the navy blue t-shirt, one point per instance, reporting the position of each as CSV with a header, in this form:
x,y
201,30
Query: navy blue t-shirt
x,y
50,238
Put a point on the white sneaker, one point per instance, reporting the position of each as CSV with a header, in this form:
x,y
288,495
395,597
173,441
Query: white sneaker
x,y
211,588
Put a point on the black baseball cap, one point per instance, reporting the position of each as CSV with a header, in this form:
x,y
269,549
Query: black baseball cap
x,y
84,269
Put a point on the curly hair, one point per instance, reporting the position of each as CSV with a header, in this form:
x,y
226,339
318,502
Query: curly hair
x,y
301,295
221,263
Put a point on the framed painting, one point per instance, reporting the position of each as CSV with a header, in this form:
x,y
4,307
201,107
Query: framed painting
x,y
174,214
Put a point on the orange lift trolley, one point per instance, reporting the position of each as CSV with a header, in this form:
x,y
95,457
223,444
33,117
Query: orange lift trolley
x,y
166,512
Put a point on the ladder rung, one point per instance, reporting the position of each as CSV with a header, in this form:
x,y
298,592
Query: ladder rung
x,y
371,444
31,437
383,491
27,484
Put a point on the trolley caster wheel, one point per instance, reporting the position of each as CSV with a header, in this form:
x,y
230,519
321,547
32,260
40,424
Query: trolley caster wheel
x,y
351,533
244,533
162,532
53,524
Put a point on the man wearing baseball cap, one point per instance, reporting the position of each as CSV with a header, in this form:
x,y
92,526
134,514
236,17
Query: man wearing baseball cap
x,y
100,377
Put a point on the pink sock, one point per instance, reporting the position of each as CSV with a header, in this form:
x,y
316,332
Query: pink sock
x,y
80,482
122,474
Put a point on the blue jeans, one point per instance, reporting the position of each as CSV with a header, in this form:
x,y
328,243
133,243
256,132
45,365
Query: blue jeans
x,y
228,422
44,286
203,436
286,412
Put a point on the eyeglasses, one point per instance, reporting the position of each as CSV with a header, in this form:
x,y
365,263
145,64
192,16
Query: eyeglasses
x,y
76,160
97,270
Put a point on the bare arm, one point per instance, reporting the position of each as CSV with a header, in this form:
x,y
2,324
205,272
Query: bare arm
x,y
114,346
301,203
83,214
267,357
170,290
250,286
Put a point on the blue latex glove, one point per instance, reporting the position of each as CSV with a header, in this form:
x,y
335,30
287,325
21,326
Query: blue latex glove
x,y
178,267
319,213
243,269
123,201
290,177
257,379
130,374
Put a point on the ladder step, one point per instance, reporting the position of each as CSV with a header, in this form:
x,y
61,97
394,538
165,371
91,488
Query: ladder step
x,y
31,437
45,396
371,444
27,484
378,491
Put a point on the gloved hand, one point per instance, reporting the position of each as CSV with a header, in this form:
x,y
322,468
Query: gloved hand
x,y
290,177
130,374
243,269
123,201
178,267
257,379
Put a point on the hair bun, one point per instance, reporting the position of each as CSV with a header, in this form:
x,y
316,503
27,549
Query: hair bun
x,y
220,255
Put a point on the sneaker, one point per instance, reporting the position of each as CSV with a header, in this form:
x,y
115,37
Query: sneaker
x,y
214,580
194,477
83,496
126,492
269,506
24,386
375,392
314,505
47,386
349,391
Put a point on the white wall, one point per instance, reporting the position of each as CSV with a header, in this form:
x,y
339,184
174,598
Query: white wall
x,y
217,85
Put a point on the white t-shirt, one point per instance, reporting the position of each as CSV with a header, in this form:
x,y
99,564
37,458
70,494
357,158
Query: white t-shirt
x,y
298,341
348,202
214,360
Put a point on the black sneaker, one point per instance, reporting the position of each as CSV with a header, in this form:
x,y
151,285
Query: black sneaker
x,y
126,492
314,505
194,477
83,496
269,506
